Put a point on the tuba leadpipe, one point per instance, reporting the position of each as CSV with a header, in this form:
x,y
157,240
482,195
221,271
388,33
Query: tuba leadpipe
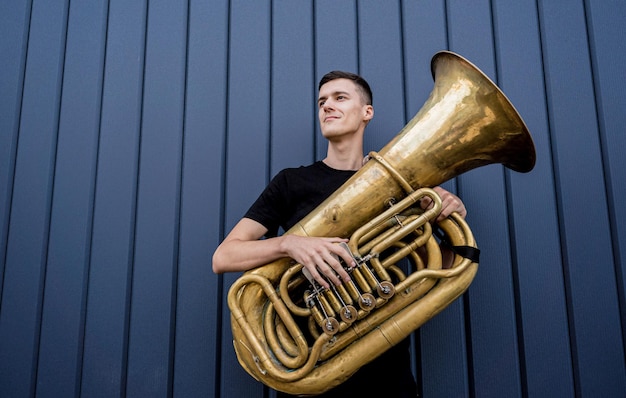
x,y
294,336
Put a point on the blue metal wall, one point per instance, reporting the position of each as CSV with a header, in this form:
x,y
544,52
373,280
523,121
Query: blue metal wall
x,y
134,135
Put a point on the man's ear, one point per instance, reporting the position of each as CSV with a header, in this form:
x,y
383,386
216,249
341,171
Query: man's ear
x,y
369,113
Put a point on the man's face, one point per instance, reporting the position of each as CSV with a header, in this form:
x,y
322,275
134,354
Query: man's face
x,y
341,109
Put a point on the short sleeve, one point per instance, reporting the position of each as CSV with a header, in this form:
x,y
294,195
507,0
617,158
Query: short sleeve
x,y
270,207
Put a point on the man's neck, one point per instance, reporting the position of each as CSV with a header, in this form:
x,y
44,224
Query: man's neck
x,y
349,159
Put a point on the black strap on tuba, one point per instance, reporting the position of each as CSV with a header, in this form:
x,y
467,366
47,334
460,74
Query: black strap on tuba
x,y
469,252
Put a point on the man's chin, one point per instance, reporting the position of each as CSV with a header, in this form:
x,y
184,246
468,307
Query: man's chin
x,y
331,133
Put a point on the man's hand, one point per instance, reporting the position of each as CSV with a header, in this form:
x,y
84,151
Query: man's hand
x,y
320,256
449,203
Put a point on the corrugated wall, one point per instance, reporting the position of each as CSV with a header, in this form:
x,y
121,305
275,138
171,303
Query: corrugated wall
x,y
134,134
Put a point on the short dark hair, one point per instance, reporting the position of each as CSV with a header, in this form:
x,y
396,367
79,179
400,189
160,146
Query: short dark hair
x,y
361,84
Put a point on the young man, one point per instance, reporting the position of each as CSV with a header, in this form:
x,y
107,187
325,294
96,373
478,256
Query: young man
x,y
344,110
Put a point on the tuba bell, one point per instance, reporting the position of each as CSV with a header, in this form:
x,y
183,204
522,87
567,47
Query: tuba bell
x,y
294,336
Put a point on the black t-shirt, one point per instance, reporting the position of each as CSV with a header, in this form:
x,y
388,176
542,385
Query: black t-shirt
x,y
294,193
289,197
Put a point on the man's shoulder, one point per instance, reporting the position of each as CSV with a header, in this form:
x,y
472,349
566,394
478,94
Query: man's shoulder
x,y
315,167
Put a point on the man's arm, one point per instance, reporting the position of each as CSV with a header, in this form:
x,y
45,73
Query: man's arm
x,y
242,250
449,203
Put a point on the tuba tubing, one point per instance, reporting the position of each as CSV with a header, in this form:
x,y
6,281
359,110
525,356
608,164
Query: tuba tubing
x,y
467,122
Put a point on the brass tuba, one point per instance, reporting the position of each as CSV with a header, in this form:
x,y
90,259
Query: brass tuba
x,y
297,338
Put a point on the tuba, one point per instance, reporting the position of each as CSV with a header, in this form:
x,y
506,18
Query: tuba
x,y
294,336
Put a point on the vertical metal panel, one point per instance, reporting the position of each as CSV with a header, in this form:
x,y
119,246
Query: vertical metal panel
x,y
27,247
380,58
108,307
542,317
198,294
494,353
443,367
247,149
605,25
336,45
153,297
61,341
14,27
590,274
293,107
424,33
